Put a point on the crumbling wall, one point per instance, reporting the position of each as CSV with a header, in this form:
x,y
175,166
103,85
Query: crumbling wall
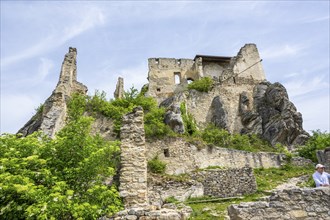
x,y
227,182
133,171
119,92
307,204
183,157
52,116
162,74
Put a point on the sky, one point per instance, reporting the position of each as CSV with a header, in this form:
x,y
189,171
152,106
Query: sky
x,y
116,38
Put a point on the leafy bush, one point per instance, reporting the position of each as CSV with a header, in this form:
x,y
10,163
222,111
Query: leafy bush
x,y
318,141
203,85
115,109
60,178
188,120
156,166
222,138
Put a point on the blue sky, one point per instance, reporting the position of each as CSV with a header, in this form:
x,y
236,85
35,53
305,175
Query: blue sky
x,y
116,38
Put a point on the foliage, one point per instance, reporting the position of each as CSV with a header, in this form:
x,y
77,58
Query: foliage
x,y
268,179
188,120
60,178
318,141
171,199
115,109
222,138
156,165
202,85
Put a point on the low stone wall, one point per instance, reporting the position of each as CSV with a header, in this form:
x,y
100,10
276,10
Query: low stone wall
x,y
307,204
184,157
168,212
228,182
217,183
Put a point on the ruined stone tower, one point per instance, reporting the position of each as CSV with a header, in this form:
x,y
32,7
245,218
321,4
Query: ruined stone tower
x,y
133,173
51,117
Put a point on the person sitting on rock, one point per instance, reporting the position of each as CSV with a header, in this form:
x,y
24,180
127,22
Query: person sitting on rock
x,y
320,177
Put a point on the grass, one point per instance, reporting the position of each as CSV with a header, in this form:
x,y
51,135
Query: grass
x,y
267,179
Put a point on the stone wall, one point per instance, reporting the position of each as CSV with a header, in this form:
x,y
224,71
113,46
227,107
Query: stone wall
x,y
307,204
184,157
227,182
119,92
133,172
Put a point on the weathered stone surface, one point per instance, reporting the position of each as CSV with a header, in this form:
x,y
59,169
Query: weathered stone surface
x,y
287,204
219,115
53,115
323,157
103,126
184,157
174,120
119,92
133,172
179,212
229,182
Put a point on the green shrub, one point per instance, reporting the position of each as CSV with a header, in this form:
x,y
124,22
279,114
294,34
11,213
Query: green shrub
x,y
203,85
156,166
218,137
318,141
188,120
221,138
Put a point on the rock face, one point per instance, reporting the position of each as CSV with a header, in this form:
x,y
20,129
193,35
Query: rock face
x,y
273,116
323,157
133,174
308,204
51,117
173,119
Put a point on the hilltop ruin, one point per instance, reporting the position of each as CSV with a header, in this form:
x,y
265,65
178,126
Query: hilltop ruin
x,y
241,100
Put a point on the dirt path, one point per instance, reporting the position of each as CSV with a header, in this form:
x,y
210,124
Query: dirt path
x,y
292,183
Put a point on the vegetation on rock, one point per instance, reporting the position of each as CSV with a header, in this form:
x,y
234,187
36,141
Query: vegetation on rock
x,y
202,85
156,166
318,141
60,178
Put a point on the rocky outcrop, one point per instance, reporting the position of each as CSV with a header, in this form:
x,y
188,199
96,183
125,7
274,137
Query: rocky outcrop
x,y
219,114
52,116
307,204
323,157
273,116
173,119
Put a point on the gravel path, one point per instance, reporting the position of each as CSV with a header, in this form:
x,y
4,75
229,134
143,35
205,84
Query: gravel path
x,y
292,183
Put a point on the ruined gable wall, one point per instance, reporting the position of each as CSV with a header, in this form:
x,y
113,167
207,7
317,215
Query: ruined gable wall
x,y
161,76
184,157
247,63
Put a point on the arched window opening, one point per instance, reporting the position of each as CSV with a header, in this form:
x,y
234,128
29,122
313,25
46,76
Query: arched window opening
x,y
177,78
190,80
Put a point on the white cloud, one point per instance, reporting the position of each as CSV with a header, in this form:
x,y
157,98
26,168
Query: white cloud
x,y
13,113
44,68
299,86
76,25
281,52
